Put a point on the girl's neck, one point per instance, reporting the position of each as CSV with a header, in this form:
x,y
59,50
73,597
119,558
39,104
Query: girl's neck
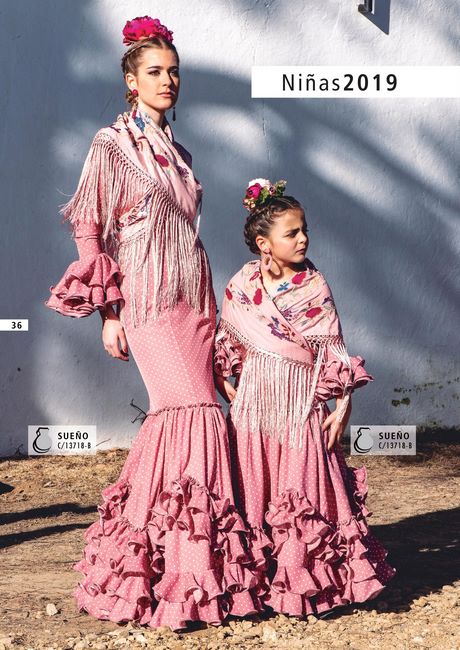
x,y
279,272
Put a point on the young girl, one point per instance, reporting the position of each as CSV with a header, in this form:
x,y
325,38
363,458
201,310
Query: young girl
x,y
281,337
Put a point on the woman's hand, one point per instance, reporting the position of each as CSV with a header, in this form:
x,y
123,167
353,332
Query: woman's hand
x,y
113,335
225,388
337,428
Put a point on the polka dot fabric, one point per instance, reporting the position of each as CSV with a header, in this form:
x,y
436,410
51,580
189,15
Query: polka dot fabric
x,y
310,506
169,546
306,509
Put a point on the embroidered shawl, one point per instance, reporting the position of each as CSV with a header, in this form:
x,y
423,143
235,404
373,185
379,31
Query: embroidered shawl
x,y
288,339
138,184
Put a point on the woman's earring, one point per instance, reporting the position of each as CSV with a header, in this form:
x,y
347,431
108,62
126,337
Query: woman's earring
x,y
174,113
267,261
135,102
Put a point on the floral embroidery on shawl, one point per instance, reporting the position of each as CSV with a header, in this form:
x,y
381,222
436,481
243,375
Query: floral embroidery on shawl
x,y
294,351
146,212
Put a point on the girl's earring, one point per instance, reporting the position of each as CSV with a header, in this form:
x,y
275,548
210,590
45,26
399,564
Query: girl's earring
x,y
267,261
174,113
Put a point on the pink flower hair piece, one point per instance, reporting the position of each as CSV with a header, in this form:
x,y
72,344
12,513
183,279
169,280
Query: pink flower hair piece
x,y
144,27
259,190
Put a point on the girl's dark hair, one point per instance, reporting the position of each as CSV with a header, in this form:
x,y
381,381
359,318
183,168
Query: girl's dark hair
x,y
132,57
261,220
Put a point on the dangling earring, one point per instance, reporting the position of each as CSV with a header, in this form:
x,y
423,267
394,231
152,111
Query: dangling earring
x,y
135,94
267,261
174,113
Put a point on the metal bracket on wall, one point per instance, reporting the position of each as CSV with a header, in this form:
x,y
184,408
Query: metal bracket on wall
x,y
366,7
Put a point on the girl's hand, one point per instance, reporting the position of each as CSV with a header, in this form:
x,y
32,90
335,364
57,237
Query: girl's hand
x,y
337,428
225,388
113,335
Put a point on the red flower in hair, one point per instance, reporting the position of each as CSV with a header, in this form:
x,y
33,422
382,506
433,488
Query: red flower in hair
x,y
253,191
144,27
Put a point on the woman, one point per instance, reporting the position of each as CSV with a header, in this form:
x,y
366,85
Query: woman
x,y
169,546
280,335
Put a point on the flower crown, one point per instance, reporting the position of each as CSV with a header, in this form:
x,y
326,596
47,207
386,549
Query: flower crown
x,y
259,190
143,27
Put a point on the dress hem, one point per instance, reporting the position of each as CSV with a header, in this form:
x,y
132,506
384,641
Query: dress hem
x,y
124,566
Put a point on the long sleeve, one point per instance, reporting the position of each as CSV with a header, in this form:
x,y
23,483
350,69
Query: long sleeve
x,y
92,282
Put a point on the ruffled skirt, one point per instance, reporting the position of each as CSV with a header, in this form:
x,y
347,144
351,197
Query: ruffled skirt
x,y
169,545
311,542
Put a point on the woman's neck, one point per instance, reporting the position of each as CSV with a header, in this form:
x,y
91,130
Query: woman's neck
x,y
157,117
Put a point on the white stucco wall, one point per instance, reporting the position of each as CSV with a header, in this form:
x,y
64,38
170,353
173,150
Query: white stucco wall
x,y
378,178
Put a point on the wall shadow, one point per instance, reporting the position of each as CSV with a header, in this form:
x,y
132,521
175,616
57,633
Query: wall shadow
x,y
377,258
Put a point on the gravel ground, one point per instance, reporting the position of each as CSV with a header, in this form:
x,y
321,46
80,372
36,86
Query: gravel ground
x,y
48,502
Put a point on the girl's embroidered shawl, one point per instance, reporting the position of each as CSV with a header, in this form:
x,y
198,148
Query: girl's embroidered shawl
x,y
139,185
287,339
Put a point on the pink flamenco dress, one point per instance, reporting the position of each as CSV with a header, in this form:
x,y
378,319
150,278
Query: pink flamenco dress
x,y
311,543
169,546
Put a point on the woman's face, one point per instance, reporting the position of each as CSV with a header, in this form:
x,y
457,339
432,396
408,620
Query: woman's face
x,y
157,80
288,239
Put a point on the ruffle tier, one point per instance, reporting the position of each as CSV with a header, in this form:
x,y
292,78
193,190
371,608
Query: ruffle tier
x,y
336,377
317,564
88,284
228,356
124,566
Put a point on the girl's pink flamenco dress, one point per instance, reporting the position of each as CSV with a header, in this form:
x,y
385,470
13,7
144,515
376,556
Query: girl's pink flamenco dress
x,y
305,507
169,546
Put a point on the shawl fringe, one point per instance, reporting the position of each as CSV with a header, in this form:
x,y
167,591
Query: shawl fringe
x,y
166,251
339,349
275,394
172,263
110,185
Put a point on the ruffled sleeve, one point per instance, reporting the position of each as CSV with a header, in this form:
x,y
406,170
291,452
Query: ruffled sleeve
x,y
340,374
228,355
91,282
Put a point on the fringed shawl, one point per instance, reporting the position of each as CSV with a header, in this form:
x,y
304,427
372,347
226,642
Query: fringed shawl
x,y
282,362
143,178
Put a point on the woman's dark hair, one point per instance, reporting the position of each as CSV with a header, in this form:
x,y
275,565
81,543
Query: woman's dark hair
x,y
132,57
261,220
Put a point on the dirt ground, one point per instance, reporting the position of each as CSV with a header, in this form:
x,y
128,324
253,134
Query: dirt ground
x,y
47,503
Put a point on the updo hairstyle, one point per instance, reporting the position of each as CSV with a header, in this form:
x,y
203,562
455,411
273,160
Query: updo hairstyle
x,y
261,219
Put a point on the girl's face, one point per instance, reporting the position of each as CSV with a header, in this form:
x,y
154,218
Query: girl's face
x,y
157,80
288,239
